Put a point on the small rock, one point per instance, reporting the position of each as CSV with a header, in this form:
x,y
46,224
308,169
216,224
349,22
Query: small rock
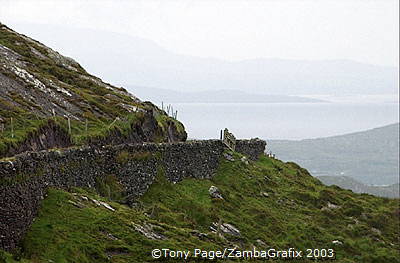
x,y
228,157
225,228
96,202
200,235
265,194
110,236
107,206
99,203
83,197
244,160
230,229
337,242
79,205
261,243
332,206
147,231
376,231
214,192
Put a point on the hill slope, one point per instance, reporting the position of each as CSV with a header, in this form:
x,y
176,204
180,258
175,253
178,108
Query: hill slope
x,y
371,157
271,204
38,84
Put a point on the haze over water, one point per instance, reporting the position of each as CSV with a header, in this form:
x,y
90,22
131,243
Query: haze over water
x,y
283,120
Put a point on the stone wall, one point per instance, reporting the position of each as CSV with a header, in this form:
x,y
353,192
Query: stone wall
x,y
25,178
144,129
253,148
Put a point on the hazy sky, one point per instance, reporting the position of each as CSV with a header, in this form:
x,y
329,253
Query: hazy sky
x,y
361,30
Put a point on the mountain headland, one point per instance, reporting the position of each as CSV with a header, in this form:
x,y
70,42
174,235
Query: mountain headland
x,y
49,100
371,157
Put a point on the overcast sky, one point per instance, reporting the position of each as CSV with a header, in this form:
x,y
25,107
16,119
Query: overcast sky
x,y
361,30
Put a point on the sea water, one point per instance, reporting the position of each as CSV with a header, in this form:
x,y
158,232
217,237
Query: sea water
x,y
283,120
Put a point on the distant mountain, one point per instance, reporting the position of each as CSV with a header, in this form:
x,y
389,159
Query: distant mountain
x,y
124,59
371,157
391,191
214,96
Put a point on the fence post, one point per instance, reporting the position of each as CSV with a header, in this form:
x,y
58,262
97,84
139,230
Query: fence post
x,y
112,123
12,128
69,126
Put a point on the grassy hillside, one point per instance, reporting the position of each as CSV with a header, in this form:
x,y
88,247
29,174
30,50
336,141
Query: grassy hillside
x,y
273,204
371,157
37,84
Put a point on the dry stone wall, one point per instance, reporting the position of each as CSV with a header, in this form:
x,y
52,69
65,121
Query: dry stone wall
x,y
25,178
252,148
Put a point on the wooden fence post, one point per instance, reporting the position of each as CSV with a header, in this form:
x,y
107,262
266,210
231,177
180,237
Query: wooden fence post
x,y
12,128
69,126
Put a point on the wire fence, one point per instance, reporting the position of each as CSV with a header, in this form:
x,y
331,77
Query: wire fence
x,y
169,110
10,127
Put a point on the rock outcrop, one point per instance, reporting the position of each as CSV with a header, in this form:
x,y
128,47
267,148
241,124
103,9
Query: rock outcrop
x,y
39,84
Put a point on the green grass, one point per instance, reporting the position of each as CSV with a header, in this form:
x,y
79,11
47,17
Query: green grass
x,y
102,115
293,215
123,157
21,127
97,129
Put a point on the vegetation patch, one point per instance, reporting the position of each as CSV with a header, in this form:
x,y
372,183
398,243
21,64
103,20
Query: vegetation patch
x,y
124,156
109,187
261,199
19,178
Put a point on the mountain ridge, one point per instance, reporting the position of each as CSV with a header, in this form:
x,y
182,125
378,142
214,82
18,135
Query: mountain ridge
x,y
216,96
369,156
345,182
161,68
